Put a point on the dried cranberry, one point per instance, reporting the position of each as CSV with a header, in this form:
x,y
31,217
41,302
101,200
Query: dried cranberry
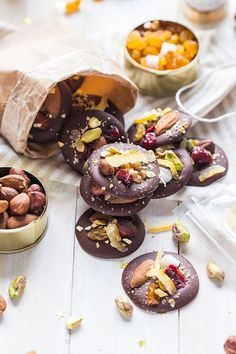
x,y
149,141
112,133
126,228
150,128
201,156
175,274
125,177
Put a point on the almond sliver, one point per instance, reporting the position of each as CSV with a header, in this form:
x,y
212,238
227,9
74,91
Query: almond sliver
x,y
131,156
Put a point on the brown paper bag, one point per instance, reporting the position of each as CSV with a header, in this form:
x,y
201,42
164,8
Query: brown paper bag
x,y
33,60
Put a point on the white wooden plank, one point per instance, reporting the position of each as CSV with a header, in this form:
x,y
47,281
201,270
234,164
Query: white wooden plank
x,y
30,323
96,284
211,318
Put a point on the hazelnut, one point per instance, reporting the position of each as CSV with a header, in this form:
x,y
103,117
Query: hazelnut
x,y
3,304
20,220
3,220
37,202
106,169
14,181
34,188
99,143
20,204
20,172
124,308
7,193
230,345
3,206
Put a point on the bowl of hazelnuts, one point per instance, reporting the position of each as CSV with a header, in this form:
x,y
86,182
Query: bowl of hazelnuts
x,y
23,210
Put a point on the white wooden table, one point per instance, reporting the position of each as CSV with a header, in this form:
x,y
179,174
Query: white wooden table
x,y
61,277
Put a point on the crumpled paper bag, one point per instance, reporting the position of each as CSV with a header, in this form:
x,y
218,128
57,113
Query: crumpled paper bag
x,y
33,60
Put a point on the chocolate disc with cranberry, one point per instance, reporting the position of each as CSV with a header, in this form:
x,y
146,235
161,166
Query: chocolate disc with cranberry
x,y
84,102
124,170
160,283
157,128
210,162
87,131
170,183
52,115
106,236
97,199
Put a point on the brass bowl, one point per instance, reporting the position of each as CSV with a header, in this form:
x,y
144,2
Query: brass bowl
x,y
162,82
19,239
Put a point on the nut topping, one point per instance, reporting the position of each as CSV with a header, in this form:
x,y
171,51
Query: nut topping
x,y
20,220
7,193
14,181
166,122
139,276
3,206
17,286
124,308
106,169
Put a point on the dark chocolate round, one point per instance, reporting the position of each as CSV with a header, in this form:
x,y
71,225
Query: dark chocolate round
x,y
183,296
91,102
113,185
221,159
105,250
47,126
98,203
171,136
174,186
75,126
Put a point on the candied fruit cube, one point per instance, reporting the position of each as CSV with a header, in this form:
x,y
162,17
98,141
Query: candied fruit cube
x,y
174,38
154,40
133,40
191,47
136,55
150,50
181,61
185,35
180,49
162,61
164,35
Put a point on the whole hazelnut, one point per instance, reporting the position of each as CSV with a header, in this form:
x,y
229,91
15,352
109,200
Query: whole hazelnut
x,y
230,345
20,172
34,188
20,204
37,202
7,193
3,304
3,220
3,206
106,169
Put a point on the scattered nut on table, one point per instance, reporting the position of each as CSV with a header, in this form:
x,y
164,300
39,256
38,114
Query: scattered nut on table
x,y
3,304
17,286
230,345
215,272
124,308
73,322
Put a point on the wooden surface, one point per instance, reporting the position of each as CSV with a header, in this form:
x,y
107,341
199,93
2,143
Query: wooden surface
x,y
61,277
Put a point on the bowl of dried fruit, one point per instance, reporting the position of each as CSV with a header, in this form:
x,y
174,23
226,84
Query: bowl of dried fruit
x,y
23,210
161,56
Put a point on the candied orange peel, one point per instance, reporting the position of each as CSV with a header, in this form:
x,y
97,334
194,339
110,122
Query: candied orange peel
x,y
155,229
72,6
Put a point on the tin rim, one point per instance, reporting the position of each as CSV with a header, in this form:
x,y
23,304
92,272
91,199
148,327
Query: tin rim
x,y
162,72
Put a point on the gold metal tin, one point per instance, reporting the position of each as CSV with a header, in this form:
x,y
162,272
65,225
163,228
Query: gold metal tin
x,y
162,82
16,240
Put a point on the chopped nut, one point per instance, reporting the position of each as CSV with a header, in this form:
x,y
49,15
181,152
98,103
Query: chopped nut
x,y
172,302
97,244
79,228
98,234
73,323
150,174
105,168
91,135
124,308
114,237
17,286
79,145
123,265
215,272
94,122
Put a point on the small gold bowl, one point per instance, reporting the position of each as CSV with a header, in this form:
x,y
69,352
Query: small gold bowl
x,y
22,238
162,82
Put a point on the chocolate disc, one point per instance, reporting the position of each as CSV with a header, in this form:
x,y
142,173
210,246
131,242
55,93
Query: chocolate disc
x,y
220,160
174,186
102,249
93,102
98,203
172,135
52,116
114,186
74,150
180,299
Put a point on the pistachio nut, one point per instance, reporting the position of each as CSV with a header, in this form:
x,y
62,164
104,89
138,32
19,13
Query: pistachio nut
x,y
17,286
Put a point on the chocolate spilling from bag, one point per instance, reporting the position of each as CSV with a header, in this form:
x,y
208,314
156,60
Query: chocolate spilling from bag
x,y
33,60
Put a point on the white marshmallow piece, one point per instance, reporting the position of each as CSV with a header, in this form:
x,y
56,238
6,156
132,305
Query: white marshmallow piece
x,y
152,60
165,175
168,259
167,47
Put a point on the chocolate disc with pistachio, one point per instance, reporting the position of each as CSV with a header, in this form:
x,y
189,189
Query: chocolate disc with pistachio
x,y
124,170
97,198
106,236
210,162
160,281
85,102
175,171
87,131
52,115
159,127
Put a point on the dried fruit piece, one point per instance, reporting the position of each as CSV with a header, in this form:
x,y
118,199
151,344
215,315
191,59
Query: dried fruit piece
x,y
211,171
149,141
124,308
73,322
160,293
3,206
139,276
155,229
148,117
201,156
152,297
20,220
180,232
171,156
113,133
176,275
98,234
72,6
215,272
125,177
166,122
140,131
91,135
20,204
14,181
114,237
170,165
17,286
3,304
126,228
